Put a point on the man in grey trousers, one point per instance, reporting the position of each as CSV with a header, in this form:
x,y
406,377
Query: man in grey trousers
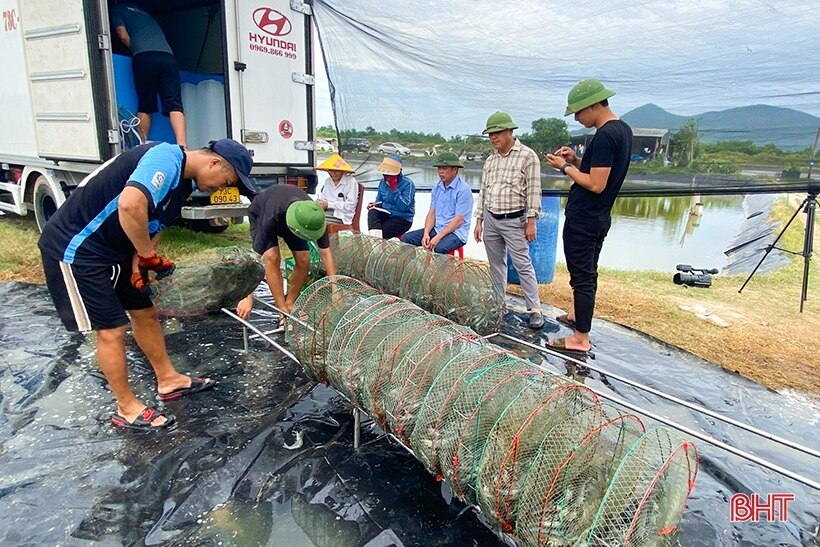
x,y
507,206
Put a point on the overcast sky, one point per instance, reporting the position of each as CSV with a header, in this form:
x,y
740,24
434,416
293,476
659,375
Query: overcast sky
x,y
445,66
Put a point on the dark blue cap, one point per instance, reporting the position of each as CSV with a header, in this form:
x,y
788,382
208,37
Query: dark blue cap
x,y
241,160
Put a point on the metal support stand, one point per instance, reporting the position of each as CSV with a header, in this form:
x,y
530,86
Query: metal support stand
x,y
245,337
357,427
809,206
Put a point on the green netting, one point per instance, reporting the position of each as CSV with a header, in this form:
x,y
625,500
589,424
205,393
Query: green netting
x,y
569,476
538,453
208,281
476,360
518,433
482,404
407,380
322,306
387,355
647,492
460,290
359,357
339,361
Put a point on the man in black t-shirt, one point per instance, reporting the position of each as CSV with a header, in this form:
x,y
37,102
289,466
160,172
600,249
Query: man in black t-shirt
x,y
286,211
597,179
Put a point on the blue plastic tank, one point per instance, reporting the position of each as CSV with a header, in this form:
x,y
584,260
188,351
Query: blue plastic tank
x,y
542,250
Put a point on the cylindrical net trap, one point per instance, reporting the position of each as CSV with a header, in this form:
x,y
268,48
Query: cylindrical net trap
x,y
461,290
538,453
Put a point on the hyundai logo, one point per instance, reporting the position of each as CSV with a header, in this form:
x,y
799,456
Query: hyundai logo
x,y
272,22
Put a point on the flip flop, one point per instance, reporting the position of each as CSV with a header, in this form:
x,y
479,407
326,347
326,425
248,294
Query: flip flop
x,y
560,345
566,321
197,385
143,421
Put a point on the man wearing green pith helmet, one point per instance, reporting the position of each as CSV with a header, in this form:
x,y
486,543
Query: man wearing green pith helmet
x,y
506,209
286,211
597,178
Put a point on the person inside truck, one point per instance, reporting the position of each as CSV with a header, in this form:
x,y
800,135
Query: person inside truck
x,y
286,211
154,66
99,247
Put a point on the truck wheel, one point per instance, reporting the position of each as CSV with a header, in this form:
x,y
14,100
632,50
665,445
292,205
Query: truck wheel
x,y
205,227
45,202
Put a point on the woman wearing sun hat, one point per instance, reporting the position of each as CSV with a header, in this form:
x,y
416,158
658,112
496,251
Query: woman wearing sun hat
x,y
340,192
391,215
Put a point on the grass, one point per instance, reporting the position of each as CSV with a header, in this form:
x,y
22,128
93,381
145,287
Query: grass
x,y
767,340
19,255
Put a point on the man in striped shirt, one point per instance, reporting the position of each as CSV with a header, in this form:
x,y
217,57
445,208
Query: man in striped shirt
x,y
508,204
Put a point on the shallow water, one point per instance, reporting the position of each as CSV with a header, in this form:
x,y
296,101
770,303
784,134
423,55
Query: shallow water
x,y
223,476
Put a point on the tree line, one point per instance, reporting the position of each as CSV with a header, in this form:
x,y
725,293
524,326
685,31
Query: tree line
x,y
685,150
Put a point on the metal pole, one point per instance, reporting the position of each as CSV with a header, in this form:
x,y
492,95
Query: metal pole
x,y
772,246
357,427
687,404
268,332
286,314
808,241
245,338
261,334
813,153
714,442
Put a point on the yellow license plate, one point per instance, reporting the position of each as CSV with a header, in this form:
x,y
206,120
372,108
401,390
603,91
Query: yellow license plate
x,y
224,196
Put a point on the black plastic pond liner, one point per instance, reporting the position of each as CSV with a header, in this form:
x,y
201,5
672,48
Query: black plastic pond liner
x,y
224,474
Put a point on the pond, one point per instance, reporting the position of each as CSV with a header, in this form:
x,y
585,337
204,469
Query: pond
x,y
648,233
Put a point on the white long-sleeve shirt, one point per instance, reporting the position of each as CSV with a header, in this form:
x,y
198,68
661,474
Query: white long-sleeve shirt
x,y
341,198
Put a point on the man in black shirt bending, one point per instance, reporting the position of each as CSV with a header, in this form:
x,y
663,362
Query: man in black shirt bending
x,y
597,178
286,211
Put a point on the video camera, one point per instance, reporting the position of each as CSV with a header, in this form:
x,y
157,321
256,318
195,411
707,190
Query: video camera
x,y
693,277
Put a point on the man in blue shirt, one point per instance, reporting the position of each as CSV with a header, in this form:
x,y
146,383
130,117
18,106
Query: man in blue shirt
x,y
98,248
447,225
154,66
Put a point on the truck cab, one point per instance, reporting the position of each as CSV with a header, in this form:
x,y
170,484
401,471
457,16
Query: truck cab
x,y
246,72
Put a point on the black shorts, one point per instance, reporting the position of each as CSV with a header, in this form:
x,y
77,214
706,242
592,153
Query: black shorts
x,y
157,72
92,297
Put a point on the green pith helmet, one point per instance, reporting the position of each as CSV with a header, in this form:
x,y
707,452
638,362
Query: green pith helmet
x,y
499,121
306,219
586,93
447,159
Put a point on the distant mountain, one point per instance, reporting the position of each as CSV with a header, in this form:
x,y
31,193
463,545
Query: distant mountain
x,y
788,129
651,116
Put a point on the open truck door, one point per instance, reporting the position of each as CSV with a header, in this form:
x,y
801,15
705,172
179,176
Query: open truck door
x,y
70,95
270,80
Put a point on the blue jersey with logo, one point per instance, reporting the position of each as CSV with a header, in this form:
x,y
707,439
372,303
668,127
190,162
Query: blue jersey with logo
x,y
86,228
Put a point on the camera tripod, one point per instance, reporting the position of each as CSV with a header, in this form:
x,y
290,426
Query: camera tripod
x,y
809,205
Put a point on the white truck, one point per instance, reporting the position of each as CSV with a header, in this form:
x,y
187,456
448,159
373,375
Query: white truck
x,y
67,97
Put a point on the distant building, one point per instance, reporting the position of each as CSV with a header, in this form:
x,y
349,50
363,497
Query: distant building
x,y
646,142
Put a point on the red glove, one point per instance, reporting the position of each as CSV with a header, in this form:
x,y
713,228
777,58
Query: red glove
x,y
141,281
159,264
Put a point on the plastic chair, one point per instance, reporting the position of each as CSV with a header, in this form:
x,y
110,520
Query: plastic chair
x,y
459,252
333,228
